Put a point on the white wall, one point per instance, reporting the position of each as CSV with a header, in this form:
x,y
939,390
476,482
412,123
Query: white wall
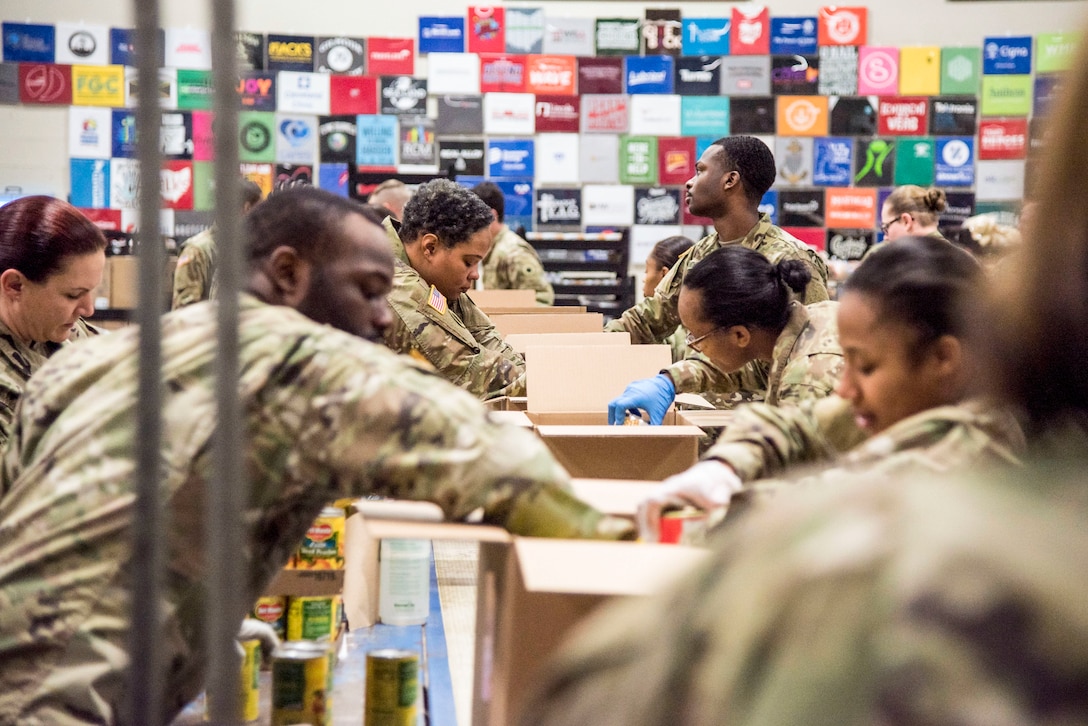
x,y
33,141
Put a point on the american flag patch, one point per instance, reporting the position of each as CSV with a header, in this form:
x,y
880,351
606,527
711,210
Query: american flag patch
x,y
437,301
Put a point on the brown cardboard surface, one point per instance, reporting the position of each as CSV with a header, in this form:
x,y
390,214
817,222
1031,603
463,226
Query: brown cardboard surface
x,y
485,299
587,377
520,341
618,497
716,418
532,593
123,282
307,582
538,310
547,323
582,418
651,453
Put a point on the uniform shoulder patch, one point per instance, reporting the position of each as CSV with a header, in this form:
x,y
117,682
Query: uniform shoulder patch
x,y
437,301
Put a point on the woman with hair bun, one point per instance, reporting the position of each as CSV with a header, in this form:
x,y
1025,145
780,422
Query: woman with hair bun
x,y
912,210
737,307
51,261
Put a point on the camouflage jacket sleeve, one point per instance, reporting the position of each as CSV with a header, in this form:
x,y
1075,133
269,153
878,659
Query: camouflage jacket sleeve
x,y
520,269
655,318
763,440
695,374
776,245
486,366
893,595
807,359
192,276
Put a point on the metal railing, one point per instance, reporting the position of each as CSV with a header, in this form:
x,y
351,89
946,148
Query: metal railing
x,y
227,490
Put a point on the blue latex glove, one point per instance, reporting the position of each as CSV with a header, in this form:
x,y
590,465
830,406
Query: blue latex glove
x,y
653,395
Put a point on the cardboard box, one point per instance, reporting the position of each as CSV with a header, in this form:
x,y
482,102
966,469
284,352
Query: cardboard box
x,y
124,282
548,323
503,298
531,592
623,452
587,377
307,582
506,403
570,412
618,497
520,341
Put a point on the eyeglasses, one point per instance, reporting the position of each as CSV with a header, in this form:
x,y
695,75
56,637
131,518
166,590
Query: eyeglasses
x,y
692,341
886,225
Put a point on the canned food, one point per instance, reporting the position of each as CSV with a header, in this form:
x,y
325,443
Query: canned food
x,y
685,526
273,610
313,617
392,688
249,683
301,684
633,419
323,546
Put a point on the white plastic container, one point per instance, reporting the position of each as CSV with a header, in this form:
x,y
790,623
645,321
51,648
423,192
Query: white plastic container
x,y
404,581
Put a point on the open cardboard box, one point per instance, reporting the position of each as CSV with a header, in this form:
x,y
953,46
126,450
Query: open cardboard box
x,y
506,403
568,403
531,591
485,299
520,341
548,322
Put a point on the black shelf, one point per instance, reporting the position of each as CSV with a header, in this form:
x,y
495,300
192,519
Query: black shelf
x,y
606,253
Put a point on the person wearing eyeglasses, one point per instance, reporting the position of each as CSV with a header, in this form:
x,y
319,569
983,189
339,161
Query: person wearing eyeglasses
x,y
739,309
912,210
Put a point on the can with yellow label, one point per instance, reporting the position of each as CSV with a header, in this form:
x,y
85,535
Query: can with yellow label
x,y
301,684
323,546
313,617
273,610
392,688
249,682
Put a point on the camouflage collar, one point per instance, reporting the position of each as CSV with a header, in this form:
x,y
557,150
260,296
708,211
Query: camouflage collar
x,y
761,229
392,233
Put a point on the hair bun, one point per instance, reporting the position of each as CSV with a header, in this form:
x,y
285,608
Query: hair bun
x,y
794,273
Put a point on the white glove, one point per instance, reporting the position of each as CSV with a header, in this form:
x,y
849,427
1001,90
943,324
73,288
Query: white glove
x,y
707,485
253,629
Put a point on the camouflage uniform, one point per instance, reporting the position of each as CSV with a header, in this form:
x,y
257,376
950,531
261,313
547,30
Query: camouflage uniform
x,y
327,415
764,441
949,599
513,264
459,340
806,362
655,318
194,276
19,361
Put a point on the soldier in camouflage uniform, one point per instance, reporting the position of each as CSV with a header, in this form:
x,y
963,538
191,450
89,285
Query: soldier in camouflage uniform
x,y
444,235
512,263
739,308
730,178
901,597
327,415
194,275
51,261
904,384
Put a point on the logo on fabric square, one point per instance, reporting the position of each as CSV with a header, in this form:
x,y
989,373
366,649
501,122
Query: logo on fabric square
x,y
29,43
1006,56
649,74
441,34
793,36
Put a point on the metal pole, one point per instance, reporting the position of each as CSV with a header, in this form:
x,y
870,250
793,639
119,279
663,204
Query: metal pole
x,y
228,491
145,672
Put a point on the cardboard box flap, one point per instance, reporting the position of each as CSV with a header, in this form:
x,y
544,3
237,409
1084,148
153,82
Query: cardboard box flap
x,y
706,418
694,401
548,323
651,432
409,519
520,341
503,298
619,497
586,567
587,377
